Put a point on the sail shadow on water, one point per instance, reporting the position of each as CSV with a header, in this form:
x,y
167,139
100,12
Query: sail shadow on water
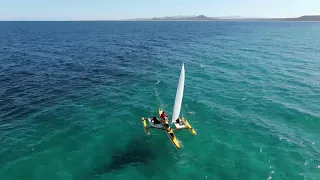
x,y
137,153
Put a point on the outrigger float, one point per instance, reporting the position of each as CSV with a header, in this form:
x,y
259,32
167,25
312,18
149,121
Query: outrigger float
x,y
179,123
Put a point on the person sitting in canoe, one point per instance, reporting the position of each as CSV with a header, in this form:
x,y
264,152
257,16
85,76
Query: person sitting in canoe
x,y
164,116
178,121
155,120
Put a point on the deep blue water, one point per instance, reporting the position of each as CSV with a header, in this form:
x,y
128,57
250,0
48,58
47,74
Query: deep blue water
x,y
72,95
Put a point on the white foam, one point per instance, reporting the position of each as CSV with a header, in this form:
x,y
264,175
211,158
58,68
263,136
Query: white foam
x,y
180,142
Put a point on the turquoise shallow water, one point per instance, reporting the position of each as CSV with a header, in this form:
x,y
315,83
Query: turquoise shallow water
x,y
72,95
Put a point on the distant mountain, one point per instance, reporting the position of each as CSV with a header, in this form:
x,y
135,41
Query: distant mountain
x,y
180,18
227,18
304,18
186,18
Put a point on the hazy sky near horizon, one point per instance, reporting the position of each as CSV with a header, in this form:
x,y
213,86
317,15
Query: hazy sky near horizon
x,y
126,9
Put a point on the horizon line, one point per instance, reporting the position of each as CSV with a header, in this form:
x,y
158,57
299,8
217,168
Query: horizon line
x,y
175,18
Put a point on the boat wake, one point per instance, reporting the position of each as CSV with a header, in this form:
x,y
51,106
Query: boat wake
x,y
180,143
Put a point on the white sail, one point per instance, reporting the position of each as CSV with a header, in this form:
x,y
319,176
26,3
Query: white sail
x,y
179,95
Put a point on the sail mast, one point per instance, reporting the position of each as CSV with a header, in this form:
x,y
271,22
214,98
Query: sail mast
x,y
179,95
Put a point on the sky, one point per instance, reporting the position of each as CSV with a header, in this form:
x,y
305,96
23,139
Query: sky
x,y
128,9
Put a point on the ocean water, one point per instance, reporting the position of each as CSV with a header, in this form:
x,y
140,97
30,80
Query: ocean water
x,y
72,95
